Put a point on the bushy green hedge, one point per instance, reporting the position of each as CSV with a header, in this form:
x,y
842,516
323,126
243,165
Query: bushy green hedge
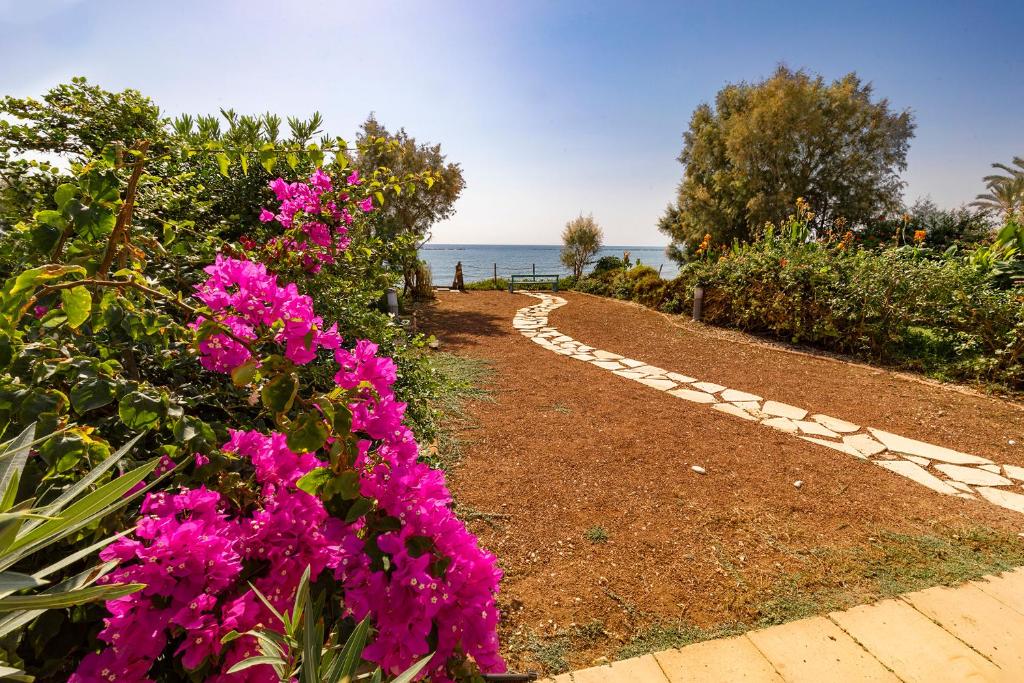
x,y
909,307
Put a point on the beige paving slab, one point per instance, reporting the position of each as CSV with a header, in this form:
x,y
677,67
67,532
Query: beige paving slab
x,y
914,647
730,660
973,475
901,444
1007,588
783,410
915,472
643,669
709,387
691,395
978,619
662,384
734,410
816,650
1007,499
835,424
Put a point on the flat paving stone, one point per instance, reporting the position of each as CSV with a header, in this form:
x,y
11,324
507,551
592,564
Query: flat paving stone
x,y
972,475
606,355
752,407
816,650
978,619
815,429
901,444
736,411
682,379
635,670
691,395
923,462
864,443
783,424
584,356
650,370
631,363
660,384
718,661
783,410
733,395
912,646
606,364
1003,498
837,445
919,474
709,387
1007,588
1014,472
627,373
835,424
990,468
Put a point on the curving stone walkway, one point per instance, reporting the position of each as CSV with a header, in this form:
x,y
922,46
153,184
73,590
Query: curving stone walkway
x,y
941,469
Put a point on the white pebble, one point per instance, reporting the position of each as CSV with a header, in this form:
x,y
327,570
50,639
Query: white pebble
x,y
698,469
1012,442
798,483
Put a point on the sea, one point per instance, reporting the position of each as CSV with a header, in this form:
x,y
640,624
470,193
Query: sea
x,y
480,260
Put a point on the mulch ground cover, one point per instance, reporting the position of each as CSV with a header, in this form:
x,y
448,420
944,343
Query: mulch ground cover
x,y
580,481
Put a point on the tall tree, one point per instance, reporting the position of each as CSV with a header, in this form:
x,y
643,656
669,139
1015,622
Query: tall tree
x,y
762,145
1005,192
581,240
411,215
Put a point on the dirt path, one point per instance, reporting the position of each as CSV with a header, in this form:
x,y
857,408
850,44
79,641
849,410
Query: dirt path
x,y
565,449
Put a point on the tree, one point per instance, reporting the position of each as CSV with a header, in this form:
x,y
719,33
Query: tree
x,y
761,146
581,240
411,214
1005,192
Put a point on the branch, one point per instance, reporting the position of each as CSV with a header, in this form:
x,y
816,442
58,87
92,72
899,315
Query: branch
x,y
124,216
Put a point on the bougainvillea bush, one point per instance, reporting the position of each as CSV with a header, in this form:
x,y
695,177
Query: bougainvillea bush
x,y
292,450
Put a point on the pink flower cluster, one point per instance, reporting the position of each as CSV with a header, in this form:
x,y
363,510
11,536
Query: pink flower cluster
x,y
247,300
410,564
315,216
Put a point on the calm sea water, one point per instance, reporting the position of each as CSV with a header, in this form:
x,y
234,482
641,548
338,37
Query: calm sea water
x,y
515,259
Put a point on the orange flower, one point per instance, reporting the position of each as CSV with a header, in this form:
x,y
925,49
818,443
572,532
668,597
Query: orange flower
x,y
919,236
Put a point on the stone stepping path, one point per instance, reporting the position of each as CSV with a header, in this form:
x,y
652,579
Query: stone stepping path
x,y
938,635
940,469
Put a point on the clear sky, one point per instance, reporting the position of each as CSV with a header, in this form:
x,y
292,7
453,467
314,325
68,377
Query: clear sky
x,y
552,108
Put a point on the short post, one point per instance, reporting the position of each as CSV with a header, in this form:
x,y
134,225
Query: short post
x,y
555,286
535,270
392,294
698,303
495,275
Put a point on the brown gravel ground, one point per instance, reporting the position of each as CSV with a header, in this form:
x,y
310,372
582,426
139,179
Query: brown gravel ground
x,y
565,447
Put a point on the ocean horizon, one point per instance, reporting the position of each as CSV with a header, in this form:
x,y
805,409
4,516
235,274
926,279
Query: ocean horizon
x,y
479,261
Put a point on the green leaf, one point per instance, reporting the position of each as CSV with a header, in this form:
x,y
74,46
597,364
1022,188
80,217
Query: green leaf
x,y
91,393
51,218
243,375
279,393
77,305
243,159
358,509
292,159
30,279
68,598
95,222
13,581
255,661
380,198
413,670
222,162
345,665
139,411
268,156
308,433
64,193
311,481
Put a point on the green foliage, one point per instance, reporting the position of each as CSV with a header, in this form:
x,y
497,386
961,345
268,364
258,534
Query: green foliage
x,y
762,145
912,307
608,264
596,534
581,240
1005,193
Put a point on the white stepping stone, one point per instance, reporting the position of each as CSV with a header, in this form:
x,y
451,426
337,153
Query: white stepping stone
x,y
606,364
752,407
585,349
731,409
1014,472
629,362
627,374
606,355
650,370
923,462
564,352
682,379
864,443
901,444
660,384
1003,498
709,387
733,395
783,410
835,424
584,356
958,485
990,468
691,395
809,427
919,474
529,334
783,424
541,340
837,445
562,339
973,475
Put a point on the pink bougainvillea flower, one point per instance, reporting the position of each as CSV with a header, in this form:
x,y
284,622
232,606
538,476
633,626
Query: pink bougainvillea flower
x,y
353,178
266,215
366,204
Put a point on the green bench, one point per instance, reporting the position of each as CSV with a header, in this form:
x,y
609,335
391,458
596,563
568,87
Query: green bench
x,y
533,279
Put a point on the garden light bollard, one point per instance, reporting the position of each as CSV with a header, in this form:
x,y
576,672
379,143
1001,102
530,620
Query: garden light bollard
x,y
698,303
392,294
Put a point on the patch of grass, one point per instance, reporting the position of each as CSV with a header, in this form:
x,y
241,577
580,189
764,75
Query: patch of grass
x,y
488,285
460,379
596,534
553,652
667,635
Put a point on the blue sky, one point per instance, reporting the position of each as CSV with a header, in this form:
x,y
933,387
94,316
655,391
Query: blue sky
x,y
552,108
